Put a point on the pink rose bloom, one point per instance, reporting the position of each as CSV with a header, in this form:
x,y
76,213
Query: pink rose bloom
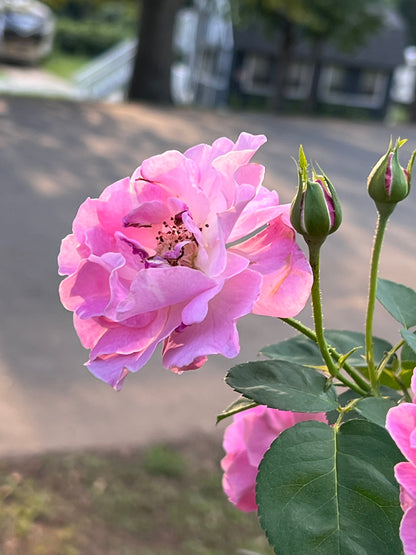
x,y
163,258
401,423
245,442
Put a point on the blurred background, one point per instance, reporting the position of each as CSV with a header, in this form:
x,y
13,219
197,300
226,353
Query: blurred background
x,y
87,91
318,57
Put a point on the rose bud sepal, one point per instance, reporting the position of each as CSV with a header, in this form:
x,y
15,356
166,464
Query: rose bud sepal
x,y
315,211
388,182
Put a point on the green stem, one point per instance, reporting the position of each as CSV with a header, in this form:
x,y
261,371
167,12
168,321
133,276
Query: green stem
x,y
404,389
297,325
386,358
314,252
383,364
356,376
375,259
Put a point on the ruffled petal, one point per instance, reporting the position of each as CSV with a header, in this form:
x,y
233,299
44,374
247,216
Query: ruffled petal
x,y
156,288
408,531
87,292
287,276
217,333
69,256
401,422
405,474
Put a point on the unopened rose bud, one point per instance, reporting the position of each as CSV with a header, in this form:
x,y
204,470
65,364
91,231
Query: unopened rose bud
x,y
315,212
388,182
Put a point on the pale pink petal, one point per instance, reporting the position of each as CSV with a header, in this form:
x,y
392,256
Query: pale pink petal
x,y
408,531
148,213
201,155
90,330
234,435
145,191
245,442
69,256
247,141
405,474
195,364
98,241
272,422
230,160
228,218
413,385
401,422
86,218
155,288
88,291
259,212
196,310
259,435
287,277
112,368
114,203
250,174
217,333
125,339
178,175
239,482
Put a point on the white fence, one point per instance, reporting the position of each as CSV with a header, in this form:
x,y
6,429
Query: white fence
x,y
108,74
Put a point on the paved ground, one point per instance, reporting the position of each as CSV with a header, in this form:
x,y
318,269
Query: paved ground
x,y
24,80
53,155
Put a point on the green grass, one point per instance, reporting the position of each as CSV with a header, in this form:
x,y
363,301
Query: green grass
x,y
64,65
163,500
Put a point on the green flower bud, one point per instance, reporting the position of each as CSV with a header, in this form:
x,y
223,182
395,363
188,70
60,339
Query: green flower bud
x,y
315,212
389,183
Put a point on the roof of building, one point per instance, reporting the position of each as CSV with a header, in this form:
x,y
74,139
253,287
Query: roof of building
x,y
382,50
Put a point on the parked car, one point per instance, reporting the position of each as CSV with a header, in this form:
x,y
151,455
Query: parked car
x,y
27,29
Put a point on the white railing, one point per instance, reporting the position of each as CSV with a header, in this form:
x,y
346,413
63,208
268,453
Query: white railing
x,y
108,74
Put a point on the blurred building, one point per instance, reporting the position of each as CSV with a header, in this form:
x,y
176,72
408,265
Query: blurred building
x,y
218,64
360,79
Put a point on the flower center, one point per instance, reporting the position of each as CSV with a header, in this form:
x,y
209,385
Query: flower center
x,y
176,244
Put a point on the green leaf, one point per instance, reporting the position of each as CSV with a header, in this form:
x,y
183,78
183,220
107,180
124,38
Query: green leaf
x,y
240,404
343,341
301,350
410,339
329,491
283,385
298,349
375,409
408,357
343,400
398,300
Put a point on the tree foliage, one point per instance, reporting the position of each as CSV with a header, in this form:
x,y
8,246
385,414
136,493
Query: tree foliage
x,y
346,22
408,10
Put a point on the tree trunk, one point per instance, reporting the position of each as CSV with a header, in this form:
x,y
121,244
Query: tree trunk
x,y
311,101
285,57
151,73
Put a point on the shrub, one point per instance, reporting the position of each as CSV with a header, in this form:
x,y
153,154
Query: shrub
x,y
89,37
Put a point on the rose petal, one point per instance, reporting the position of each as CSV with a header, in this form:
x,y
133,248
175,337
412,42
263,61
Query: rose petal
x,y
217,333
401,422
287,276
405,474
153,289
408,531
